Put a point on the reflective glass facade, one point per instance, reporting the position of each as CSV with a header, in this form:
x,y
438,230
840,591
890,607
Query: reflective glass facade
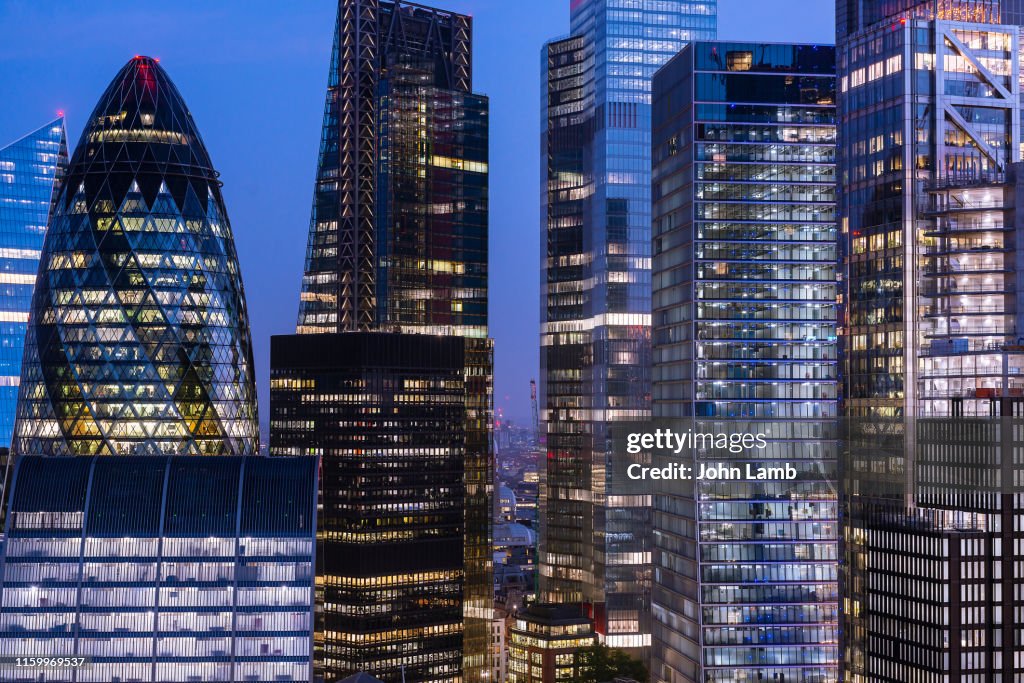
x,y
387,414
138,342
855,15
398,243
922,104
435,208
744,328
930,123
160,568
30,172
595,297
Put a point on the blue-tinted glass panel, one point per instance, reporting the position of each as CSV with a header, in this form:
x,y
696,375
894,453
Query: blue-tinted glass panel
x,y
30,169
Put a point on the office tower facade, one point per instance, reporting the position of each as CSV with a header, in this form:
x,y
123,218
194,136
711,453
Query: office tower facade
x,y
855,15
30,170
138,342
386,412
398,245
744,331
930,132
950,116
159,569
595,298
932,591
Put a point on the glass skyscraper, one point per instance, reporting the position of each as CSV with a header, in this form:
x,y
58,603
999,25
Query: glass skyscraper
x,y
30,172
744,328
159,569
398,234
950,114
138,342
398,247
595,298
929,182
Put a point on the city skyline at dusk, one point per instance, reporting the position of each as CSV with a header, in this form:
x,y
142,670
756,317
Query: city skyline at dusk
x,y
512,341
240,58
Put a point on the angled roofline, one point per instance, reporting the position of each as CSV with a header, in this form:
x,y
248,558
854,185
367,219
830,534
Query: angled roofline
x,y
59,118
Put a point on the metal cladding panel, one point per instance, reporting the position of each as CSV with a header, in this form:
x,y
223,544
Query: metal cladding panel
x,y
202,497
50,484
176,497
125,497
355,351
277,497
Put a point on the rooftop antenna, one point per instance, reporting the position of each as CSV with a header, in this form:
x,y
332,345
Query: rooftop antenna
x,y
536,411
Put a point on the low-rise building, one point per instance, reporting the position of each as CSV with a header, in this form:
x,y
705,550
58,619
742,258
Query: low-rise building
x,y
546,643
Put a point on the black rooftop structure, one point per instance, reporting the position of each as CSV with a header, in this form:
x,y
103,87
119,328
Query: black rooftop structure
x,y
195,497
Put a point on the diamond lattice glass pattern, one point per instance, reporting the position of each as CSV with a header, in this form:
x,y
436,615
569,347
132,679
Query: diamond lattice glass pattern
x,y
138,342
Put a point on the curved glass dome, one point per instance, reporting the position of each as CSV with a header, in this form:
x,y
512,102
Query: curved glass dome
x,y
138,341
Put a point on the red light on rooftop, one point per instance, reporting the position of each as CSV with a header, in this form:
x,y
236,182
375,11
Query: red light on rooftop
x,y
60,113
156,59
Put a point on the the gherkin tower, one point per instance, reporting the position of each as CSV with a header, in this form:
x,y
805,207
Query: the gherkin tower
x,y
138,341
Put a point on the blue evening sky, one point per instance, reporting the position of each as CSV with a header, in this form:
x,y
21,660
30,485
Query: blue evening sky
x,y
253,72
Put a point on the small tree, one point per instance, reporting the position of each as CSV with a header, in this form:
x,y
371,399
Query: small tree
x,y
600,663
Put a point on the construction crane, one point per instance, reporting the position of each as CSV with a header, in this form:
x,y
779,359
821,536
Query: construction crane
x,y
536,412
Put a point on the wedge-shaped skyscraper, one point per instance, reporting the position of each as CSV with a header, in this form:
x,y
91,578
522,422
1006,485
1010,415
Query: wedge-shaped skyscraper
x,y
30,171
389,378
138,341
